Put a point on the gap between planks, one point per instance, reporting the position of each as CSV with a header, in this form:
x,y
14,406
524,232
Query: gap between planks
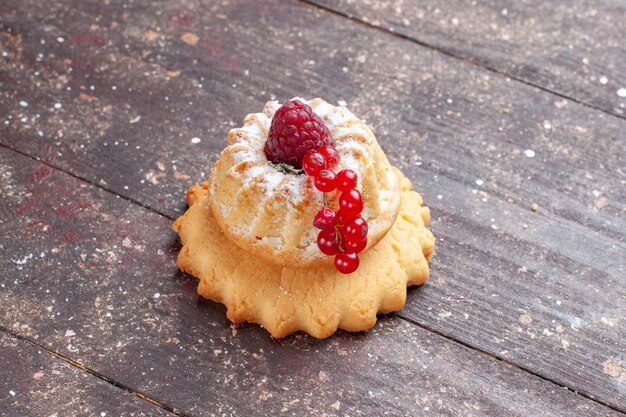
x,y
90,371
86,180
467,61
178,413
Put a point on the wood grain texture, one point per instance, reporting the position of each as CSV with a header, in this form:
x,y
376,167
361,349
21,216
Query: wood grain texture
x,y
35,383
92,277
574,48
549,298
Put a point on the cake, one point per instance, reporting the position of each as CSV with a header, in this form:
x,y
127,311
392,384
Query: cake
x,y
267,211
315,300
300,185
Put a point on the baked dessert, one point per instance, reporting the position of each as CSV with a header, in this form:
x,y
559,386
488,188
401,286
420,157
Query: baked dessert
x,y
268,211
252,232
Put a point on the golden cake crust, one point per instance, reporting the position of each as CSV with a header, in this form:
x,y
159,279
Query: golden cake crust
x,y
315,300
269,213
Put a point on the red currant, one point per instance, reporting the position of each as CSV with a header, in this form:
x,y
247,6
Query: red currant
x,y
346,180
327,242
343,234
325,181
340,220
324,218
346,262
331,155
313,163
351,203
356,247
355,229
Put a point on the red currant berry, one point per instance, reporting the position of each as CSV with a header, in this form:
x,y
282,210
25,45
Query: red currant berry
x,y
313,163
356,247
355,229
331,155
346,263
340,218
351,203
325,181
346,180
327,242
324,218
340,221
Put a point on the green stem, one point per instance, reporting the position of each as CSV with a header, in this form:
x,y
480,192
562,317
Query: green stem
x,y
287,169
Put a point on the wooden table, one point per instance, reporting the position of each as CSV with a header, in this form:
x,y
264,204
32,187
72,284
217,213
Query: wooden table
x,y
508,116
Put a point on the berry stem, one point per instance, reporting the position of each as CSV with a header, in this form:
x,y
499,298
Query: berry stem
x,y
287,169
338,239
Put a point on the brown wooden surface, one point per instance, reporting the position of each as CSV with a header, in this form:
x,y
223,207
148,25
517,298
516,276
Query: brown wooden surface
x,y
36,383
575,49
113,301
548,298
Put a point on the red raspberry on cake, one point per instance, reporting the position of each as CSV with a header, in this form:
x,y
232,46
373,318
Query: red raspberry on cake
x,y
295,130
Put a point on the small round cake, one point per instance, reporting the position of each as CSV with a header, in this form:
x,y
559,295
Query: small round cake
x,y
268,209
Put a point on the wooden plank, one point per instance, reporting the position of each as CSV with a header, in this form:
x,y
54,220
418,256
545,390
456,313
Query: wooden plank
x,y
449,126
35,383
576,49
113,300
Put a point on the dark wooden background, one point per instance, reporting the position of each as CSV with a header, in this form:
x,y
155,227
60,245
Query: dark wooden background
x,y
508,116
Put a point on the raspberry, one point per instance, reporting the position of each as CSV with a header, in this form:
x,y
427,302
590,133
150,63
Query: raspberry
x,y
295,129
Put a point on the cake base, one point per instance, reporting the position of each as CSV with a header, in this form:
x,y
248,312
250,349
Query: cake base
x,y
317,301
